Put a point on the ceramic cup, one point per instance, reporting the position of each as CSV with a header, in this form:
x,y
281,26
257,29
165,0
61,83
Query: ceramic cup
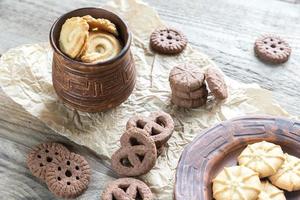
x,y
93,87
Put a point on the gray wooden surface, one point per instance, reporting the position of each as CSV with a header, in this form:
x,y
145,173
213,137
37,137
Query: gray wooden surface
x,y
223,29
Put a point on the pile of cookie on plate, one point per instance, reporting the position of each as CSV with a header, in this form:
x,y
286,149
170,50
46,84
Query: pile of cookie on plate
x,y
263,169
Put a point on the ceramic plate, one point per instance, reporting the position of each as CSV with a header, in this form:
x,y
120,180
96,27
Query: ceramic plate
x,y
219,147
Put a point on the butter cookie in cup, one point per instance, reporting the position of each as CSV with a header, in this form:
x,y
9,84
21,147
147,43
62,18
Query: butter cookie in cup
x,y
73,36
102,46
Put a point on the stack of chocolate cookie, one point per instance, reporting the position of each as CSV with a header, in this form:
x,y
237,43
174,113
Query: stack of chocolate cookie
x,y
188,86
66,174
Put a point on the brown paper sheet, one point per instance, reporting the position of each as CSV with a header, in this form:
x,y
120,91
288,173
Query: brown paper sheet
x,y
26,78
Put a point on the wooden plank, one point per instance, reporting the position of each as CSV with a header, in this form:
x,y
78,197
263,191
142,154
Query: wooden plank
x,y
224,29
227,31
19,132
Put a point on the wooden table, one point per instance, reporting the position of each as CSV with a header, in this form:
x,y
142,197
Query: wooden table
x,y
223,29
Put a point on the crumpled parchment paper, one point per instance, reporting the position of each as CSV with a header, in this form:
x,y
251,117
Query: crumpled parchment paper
x,y
26,78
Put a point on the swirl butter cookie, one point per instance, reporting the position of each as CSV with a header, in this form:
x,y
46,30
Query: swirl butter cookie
x,y
263,157
73,37
42,155
102,46
236,182
270,192
101,24
216,83
127,189
273,49
68,176
288,175
168,41
137,154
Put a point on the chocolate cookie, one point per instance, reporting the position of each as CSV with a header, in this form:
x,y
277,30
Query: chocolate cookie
x,y
127,189
167,41
42,155
188,103
186,77
216,83
159,126
273,49
68,176
137,155
137,121
197,94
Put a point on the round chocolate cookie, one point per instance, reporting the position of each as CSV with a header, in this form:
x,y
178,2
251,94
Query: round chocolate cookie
x,y
188,103
160,128
216,83
68,176
196,94
42,155
273,49
186,77
137,121
137,154
127,189
167,41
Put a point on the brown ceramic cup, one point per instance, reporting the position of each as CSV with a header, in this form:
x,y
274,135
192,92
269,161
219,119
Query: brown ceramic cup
x,y
93,87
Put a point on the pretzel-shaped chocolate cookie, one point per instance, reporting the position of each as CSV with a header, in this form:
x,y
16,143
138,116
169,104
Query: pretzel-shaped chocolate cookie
x,y
159,126
137,154
127,188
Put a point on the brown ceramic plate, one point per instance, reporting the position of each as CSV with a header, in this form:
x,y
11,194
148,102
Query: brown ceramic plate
x,y
220,145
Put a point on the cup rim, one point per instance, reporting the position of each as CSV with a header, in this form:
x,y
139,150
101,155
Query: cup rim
x,y
121,53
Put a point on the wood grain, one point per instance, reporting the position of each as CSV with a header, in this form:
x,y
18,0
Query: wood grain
x,y
219,146
223,29
19,131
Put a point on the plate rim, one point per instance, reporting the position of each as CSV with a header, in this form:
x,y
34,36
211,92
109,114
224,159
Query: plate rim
x,y
277,128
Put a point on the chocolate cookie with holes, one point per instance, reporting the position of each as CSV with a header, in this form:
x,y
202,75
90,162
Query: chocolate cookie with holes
x,y
42,155
137,154
68,175
127,189
272,49
168,41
